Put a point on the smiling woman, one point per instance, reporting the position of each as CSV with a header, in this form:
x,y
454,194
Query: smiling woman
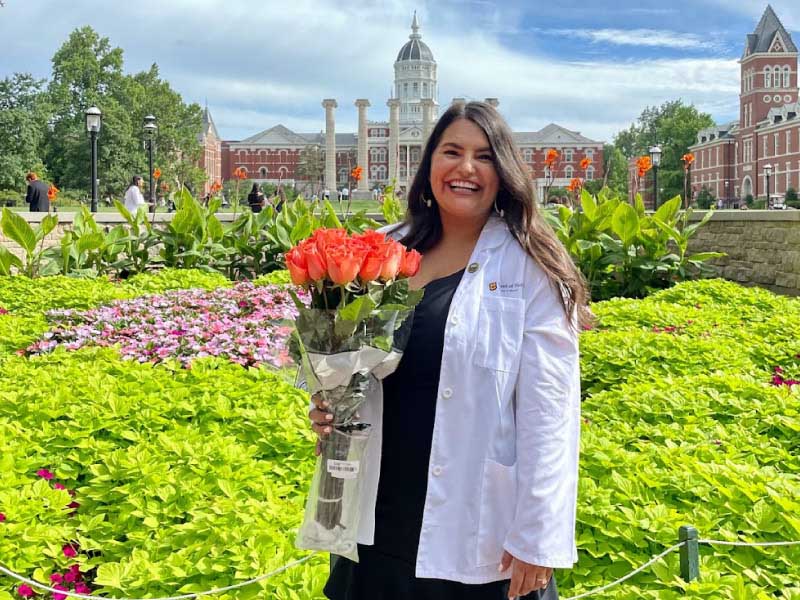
x,y
473,463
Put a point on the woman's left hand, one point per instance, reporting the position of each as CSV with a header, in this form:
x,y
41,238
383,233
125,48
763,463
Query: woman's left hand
x,y
525,577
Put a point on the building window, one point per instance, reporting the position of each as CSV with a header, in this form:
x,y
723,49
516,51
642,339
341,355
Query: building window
x,y
569,173
527,154
764,151
424,90
786,73
776,145
373,155
343,175
716,159
282,156
568,155
373,172
589,173
382,173
405,90
767,77
788,142
263,172
382,154
589,152
416,90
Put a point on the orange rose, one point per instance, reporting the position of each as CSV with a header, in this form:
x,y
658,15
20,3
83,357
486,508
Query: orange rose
x,y
410,264
345,260
373,263
296,263
584,164
392,259
314,259
372,238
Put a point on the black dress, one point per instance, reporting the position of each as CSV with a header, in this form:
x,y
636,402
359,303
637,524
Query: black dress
x,y
385,571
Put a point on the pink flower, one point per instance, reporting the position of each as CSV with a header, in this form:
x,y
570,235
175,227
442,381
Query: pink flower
x,y
45,474
69,551
70,577
82,588
25,591
777,380
56,578
59,486
777,369
58,586
2,517
74,505
3,311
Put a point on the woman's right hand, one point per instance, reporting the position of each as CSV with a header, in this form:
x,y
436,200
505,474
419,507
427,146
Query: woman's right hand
x,y
320,420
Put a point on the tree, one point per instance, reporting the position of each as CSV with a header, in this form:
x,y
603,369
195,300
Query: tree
x,y
311,167
673,126
23,123
615,169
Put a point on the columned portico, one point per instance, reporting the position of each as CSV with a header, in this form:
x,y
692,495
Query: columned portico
x,y
394,138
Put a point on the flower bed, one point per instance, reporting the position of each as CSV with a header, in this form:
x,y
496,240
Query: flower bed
x,y
184,480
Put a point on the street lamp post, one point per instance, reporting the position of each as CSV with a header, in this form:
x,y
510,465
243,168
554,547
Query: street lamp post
x,y
767,174
150,129
727,194
94,119
655,159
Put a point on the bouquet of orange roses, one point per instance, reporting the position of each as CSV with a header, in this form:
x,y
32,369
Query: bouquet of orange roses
x,y
351,336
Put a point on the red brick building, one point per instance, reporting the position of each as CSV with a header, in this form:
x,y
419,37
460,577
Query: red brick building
x,y
394,147
211,159
741,158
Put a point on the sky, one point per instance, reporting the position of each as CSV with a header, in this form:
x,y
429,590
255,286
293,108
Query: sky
x,y
590,67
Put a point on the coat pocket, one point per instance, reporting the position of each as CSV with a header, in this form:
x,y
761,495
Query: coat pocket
x,y
497,508
499,333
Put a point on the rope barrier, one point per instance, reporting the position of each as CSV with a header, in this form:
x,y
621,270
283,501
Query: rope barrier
x,y
288,566
227,588
629,575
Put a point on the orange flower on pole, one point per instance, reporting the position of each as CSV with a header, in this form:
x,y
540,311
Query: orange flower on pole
x,y
687,159
584,164
551,157
356,173
52,193
575,184
157,173
240,173
644,164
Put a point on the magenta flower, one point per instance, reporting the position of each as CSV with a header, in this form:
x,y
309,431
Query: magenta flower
x,y
25,591
74,505
777,369
2,517
82,588
69,551
3,311
45,474
63,588
59,486
70,577
56,578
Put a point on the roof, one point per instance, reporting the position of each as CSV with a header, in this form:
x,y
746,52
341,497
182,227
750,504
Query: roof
x,y
208,125
415,48
770,26
277,136
552,134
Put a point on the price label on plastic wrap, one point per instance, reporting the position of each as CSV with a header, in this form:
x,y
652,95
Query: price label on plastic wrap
x,y
343,469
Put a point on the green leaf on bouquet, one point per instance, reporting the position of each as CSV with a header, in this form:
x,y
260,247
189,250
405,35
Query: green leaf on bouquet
x,y
375,291
349,316
397,292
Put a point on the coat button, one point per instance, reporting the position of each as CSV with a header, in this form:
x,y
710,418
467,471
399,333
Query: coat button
x,y
447,392
437,470
454,319
472,268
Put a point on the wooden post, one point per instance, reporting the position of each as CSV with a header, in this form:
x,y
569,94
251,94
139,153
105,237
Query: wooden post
x,y
690,555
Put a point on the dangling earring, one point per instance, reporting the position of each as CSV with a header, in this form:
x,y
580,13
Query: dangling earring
x,y
427,201
499,211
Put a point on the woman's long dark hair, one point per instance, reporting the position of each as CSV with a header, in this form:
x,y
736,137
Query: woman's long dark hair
x,y
134,182
516,197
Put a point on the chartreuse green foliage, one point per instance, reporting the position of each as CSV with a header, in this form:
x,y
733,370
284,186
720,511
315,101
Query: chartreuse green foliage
x,y
191,479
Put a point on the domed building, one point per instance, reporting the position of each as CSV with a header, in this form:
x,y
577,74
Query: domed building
x,y
390,150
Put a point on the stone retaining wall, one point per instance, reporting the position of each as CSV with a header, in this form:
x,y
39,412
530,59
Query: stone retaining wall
x,y
762,246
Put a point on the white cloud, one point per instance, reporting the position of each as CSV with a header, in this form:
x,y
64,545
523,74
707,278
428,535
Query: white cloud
x,y
263,63
639,37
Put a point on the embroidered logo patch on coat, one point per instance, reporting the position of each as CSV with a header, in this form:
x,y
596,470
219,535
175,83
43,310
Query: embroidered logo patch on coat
x,y
493,286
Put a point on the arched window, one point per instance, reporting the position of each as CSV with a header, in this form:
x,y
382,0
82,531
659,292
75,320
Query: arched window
x,y
382,154
569,173
373,154
373,172
282,155
343,175
283,172
415,154
767,77
402,171
589,173
243,168
263,172
568,155
416,90
381,172
786,74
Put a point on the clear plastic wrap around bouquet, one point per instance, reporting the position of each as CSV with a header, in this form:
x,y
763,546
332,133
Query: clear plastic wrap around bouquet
x,y
352,336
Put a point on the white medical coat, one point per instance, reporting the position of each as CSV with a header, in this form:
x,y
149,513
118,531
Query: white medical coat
x,y
504,459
